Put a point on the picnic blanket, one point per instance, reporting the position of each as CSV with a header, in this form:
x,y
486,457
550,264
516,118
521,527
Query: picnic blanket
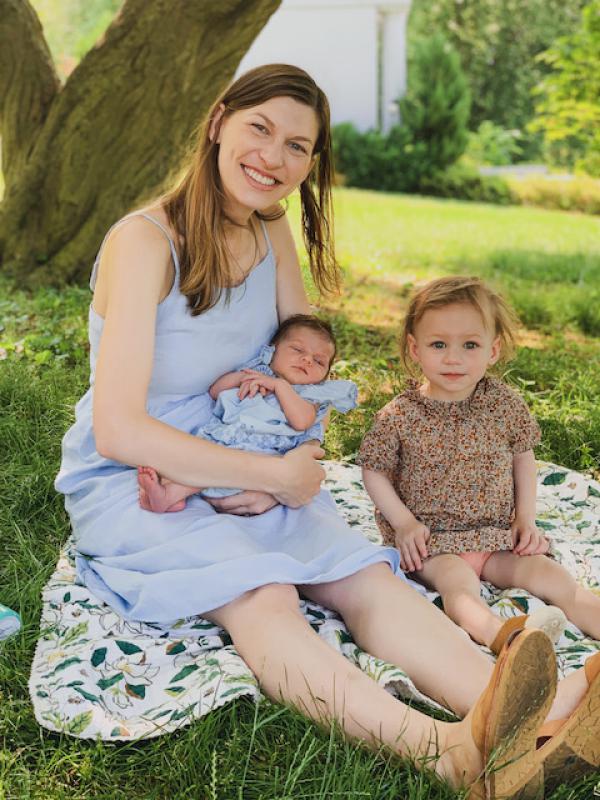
x,y
94,675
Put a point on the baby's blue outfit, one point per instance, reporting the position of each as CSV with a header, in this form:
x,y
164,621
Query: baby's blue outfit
x,y
259,424
161,567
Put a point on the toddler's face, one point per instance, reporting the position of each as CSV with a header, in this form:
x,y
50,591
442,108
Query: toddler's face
x,y
303,356
454,348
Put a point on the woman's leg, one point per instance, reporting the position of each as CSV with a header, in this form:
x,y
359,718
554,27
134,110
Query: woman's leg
x,y
392,621
549,581
460,589
293,665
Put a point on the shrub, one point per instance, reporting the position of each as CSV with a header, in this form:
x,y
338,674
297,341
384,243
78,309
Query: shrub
x,y
435,110
577,194
494,145
432,134
463,182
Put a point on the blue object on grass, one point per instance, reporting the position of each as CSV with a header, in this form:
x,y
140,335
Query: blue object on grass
x,y
10,622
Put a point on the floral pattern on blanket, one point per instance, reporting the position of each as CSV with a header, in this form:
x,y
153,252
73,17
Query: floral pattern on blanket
x,y
94,675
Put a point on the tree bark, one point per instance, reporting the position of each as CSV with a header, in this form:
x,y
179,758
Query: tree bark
x,y
78,157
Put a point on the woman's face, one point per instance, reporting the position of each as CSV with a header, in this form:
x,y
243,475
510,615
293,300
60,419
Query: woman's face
x,y
265,152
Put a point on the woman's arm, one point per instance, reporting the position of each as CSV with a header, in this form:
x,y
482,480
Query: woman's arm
x,y
291,296
135,264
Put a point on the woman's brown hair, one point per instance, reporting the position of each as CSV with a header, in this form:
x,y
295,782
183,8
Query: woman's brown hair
x,y
497,316
195,206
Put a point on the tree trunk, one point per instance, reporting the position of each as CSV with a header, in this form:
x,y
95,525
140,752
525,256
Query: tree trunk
x,y
78,157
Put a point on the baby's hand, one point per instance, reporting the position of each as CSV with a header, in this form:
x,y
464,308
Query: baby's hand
x,y
256,382
528,539
412,544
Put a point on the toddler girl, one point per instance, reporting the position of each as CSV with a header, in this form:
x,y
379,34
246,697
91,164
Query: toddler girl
x,y
272,404
449,465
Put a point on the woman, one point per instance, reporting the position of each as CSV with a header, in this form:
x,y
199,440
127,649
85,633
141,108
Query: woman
x,y
183,292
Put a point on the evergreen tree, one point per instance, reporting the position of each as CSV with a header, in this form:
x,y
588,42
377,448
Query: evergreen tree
x,y
435,110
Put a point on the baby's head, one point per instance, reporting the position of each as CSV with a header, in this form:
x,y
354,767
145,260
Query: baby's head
x,y
455,328
304,349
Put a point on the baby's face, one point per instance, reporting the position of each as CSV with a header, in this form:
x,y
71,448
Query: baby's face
x,y
303,356
454,348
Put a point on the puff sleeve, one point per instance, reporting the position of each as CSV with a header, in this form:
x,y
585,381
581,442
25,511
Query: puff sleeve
x,y
381,447
523,431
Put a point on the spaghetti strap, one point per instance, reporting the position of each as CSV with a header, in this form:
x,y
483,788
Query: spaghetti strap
x,y
266,235
158,224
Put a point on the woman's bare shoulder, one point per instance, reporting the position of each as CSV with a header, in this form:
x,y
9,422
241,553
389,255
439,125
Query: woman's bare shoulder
x,y
137,251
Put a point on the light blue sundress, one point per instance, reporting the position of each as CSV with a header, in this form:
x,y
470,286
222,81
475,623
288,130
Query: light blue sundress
x,y
161,567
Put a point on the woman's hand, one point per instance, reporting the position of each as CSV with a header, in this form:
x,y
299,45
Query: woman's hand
x,y
245,504
299,475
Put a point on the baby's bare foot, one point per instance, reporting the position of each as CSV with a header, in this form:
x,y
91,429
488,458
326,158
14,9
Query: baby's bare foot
x,y
153,495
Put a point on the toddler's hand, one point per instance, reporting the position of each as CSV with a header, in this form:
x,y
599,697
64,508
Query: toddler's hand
x,y
528,539
412,544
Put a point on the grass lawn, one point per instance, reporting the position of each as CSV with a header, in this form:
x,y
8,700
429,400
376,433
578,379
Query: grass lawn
x,y
548,264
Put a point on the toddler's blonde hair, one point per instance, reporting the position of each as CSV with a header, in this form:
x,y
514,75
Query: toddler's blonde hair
x,y
497,316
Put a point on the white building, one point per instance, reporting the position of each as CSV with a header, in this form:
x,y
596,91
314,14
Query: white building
x,y
354,49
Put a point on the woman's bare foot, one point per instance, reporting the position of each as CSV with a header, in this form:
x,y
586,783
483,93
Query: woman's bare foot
x,y
155,495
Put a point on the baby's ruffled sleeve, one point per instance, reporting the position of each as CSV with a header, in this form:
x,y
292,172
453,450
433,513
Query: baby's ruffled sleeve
x,y
337,393
524,432
381,447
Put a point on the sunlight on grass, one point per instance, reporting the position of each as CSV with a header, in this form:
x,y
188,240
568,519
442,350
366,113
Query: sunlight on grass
x,y
548,263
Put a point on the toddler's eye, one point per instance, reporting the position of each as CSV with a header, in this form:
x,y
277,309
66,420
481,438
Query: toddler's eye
x,y
471,345
438,345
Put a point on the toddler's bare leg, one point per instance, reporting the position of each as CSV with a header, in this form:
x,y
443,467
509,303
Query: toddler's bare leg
x,y
460,589
549,581
160,494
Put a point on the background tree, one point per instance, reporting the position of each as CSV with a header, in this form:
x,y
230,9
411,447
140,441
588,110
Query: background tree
x,y
78,155
497,43
435,109
568,109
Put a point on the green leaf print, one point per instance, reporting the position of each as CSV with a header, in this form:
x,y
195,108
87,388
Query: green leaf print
x,y
98,656
545,526
74,633
235,690
106,683
128,648
522,603
186,712
174,648
584,524
555,478
184,673
64,664
91,697
136,690
66,597
175,690
78,723
593,492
